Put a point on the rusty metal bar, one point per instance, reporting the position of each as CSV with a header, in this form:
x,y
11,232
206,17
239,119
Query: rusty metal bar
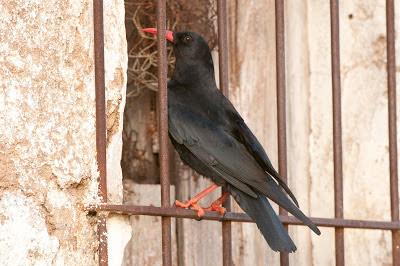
x,y
224,86
241,217
163,130
391,79
281,102
100,97
337,130
100,124
223,47
102,238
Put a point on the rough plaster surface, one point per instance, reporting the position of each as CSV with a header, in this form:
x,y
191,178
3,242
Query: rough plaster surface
x,y
320,131
365,137
364,122
309,119
144,248
47,120
253,93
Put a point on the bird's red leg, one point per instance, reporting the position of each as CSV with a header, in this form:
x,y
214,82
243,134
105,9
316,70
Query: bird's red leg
x,y
217,204
192,203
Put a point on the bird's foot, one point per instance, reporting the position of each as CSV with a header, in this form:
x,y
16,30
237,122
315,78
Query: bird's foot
x,y
185,204
217,208
192,204
217,204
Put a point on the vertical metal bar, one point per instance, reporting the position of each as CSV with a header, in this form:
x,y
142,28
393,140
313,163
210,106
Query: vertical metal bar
x,y
281,102
100,124
337,129
223,47
224,86
391,76
163,130
102,238
100,96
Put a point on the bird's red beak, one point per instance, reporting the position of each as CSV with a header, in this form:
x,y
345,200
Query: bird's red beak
x,y
169,34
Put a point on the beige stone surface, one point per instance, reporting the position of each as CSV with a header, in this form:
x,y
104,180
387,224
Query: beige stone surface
x,y
320,129
365,124
253,93
47,121
144,248
364,121
298,123
203,237
309,118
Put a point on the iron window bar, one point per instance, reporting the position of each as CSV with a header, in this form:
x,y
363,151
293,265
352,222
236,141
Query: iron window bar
x,y
393,167
222,18
281,104
101,129
241,217
163,130
166,211
337,129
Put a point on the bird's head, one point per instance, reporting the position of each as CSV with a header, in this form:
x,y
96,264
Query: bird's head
x,y
191,52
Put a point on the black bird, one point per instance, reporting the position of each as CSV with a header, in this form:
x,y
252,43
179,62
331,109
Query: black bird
x,y
212,138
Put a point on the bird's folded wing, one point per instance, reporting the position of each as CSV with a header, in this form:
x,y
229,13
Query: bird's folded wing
x,y
185,137
227,157
247,138
216,148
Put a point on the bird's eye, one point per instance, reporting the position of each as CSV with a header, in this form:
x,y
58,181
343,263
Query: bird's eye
x,y
187,39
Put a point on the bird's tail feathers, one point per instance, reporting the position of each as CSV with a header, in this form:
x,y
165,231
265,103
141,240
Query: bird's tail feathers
x,y
273,192
261,211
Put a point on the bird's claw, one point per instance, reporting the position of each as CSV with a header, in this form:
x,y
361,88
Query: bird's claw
x,y
216,207
200,210
192,205
184,205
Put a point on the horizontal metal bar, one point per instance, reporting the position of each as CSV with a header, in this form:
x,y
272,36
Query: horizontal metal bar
x,y
239,217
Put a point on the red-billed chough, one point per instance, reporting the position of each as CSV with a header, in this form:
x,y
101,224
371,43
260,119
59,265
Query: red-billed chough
x,y
212,138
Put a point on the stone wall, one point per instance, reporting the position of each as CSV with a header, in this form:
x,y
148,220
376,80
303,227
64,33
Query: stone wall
x,y
48,169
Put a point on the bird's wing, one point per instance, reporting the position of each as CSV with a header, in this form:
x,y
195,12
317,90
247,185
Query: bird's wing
x,y
186,133
244,135
227,157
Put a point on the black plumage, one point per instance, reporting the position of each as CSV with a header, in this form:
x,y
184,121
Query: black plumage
x,y
212,138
